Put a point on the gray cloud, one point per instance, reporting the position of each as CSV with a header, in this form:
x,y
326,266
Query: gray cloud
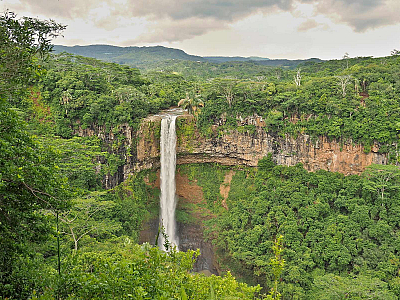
x,y
228,10
178,30
361,15
307,25
176,20
68,9
108,23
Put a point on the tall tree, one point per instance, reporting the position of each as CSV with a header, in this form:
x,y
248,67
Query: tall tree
x,y
191,103
382,179
297,77
343,82
22,42
28,175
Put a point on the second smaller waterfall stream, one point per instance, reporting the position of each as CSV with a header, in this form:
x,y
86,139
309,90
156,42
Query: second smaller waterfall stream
x,y
168,199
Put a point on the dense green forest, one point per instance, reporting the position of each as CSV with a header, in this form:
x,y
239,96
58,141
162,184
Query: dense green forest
x,y
63,235
341,234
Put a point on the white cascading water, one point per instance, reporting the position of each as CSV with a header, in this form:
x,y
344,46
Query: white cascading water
x,y
168,199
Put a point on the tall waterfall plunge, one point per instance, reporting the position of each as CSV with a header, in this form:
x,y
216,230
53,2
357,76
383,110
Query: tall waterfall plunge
x,y
168,199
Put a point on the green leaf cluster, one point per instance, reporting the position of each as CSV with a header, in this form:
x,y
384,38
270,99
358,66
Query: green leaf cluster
x,y
126,270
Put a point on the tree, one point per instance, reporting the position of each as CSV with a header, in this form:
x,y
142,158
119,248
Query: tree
x,y
395,52
332,286
22,42
343,82
191,103
382,178
277,263
278,73
226,87
297,77
346,57
29,180
90,215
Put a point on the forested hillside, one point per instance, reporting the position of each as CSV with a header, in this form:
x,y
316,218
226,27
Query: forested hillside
x,y
150,58
298,235
354,99
133,56
340,234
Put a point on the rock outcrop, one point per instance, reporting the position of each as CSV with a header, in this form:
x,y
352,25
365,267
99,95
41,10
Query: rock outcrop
x,y
243,146
247,147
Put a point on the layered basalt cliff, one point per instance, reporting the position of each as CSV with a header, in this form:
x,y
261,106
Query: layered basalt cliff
x,y
245,145
248,144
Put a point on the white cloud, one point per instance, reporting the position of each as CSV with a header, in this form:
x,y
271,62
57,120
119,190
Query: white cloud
x,y
272,28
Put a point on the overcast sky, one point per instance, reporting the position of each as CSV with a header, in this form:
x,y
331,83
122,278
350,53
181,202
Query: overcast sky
x,y
268,28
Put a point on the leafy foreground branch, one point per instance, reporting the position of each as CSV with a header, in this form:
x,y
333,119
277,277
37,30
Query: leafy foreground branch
x,y
130,271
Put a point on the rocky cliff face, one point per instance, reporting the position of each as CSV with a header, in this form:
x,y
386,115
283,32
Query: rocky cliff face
x,y
247,147
243,146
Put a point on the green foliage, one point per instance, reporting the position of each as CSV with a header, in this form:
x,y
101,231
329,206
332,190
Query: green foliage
x,y
127,270
331,286
22,40
209,177
136,202
87,93
185,130
341,233
175,60
28,274
82,160
332,224
184,217
191,103
98,216
91,216
382,179
277,264
133,56
29,179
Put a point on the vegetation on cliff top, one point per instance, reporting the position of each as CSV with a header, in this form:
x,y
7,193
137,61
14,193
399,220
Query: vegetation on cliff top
x,y
356,99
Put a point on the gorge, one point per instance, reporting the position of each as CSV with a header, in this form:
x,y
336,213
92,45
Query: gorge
x,y
240,147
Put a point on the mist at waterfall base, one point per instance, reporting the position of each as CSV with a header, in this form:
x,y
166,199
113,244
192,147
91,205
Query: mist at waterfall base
x,y
168,198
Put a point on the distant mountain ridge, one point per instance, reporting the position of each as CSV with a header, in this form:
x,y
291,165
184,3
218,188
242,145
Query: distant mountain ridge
x,y
220,59
128,55
142,56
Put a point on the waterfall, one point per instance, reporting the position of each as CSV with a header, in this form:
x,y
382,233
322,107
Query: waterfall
x,y
168,199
